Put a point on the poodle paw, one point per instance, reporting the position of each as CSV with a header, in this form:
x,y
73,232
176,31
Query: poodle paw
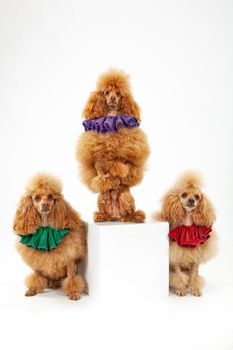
x,y
99,217
30,293
196,292
104,183
73,296
139,216
180,292
119,169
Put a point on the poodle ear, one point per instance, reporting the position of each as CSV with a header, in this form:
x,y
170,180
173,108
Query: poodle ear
x,y
26,217
63,215
95,106
172,209
204,214
129,106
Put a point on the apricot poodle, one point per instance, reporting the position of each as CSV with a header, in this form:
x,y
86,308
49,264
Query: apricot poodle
x,y
192,238
113,150
53,238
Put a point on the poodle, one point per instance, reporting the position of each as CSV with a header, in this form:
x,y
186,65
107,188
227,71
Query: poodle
x,y
192,238
113,151
53,238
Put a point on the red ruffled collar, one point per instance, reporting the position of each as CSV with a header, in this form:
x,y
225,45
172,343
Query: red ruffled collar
x,y
190,236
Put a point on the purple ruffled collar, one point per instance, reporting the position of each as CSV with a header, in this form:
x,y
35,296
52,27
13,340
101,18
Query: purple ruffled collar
x,y
110,123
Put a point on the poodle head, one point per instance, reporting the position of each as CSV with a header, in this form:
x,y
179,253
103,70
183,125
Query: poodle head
x,y
112,96
44,190
189,192
186,196
43,204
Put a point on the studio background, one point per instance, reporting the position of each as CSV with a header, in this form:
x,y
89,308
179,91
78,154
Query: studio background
x,y
179,55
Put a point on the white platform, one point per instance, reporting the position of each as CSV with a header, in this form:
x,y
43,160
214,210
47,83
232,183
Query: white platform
x,y
127,260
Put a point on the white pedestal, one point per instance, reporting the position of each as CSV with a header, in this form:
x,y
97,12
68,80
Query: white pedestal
x,y
127,260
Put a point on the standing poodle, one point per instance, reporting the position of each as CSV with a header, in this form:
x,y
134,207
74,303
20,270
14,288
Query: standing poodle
x,y
113,150
53,238
192,238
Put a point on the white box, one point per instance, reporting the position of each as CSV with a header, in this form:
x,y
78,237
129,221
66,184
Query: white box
x,y
127,260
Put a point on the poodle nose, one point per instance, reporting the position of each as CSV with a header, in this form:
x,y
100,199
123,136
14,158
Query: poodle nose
x,y
191,201
45,206
113,98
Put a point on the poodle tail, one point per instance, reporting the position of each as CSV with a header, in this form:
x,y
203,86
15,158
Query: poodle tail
x,y
157,216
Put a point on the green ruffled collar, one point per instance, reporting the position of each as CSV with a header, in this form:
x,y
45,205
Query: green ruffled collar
x,y
44,239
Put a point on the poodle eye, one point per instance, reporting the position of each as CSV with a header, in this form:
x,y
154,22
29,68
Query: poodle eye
x,y
106,92
37,198
50,197
197,197
118,94
184,195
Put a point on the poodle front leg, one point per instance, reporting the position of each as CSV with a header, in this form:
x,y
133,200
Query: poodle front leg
x,y
178,280
119,169
73,285
35,284
103,181
196,282
99,168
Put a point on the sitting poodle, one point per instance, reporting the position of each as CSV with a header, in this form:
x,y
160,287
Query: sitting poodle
x,y
192,237
53,238
113,149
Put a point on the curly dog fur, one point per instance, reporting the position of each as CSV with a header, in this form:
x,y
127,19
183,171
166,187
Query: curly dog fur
x,y
185,261
43,204
111,163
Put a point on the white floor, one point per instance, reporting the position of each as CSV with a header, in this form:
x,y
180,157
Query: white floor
x,y
50,320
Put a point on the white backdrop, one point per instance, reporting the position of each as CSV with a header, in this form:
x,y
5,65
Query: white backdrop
x,y
179,55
